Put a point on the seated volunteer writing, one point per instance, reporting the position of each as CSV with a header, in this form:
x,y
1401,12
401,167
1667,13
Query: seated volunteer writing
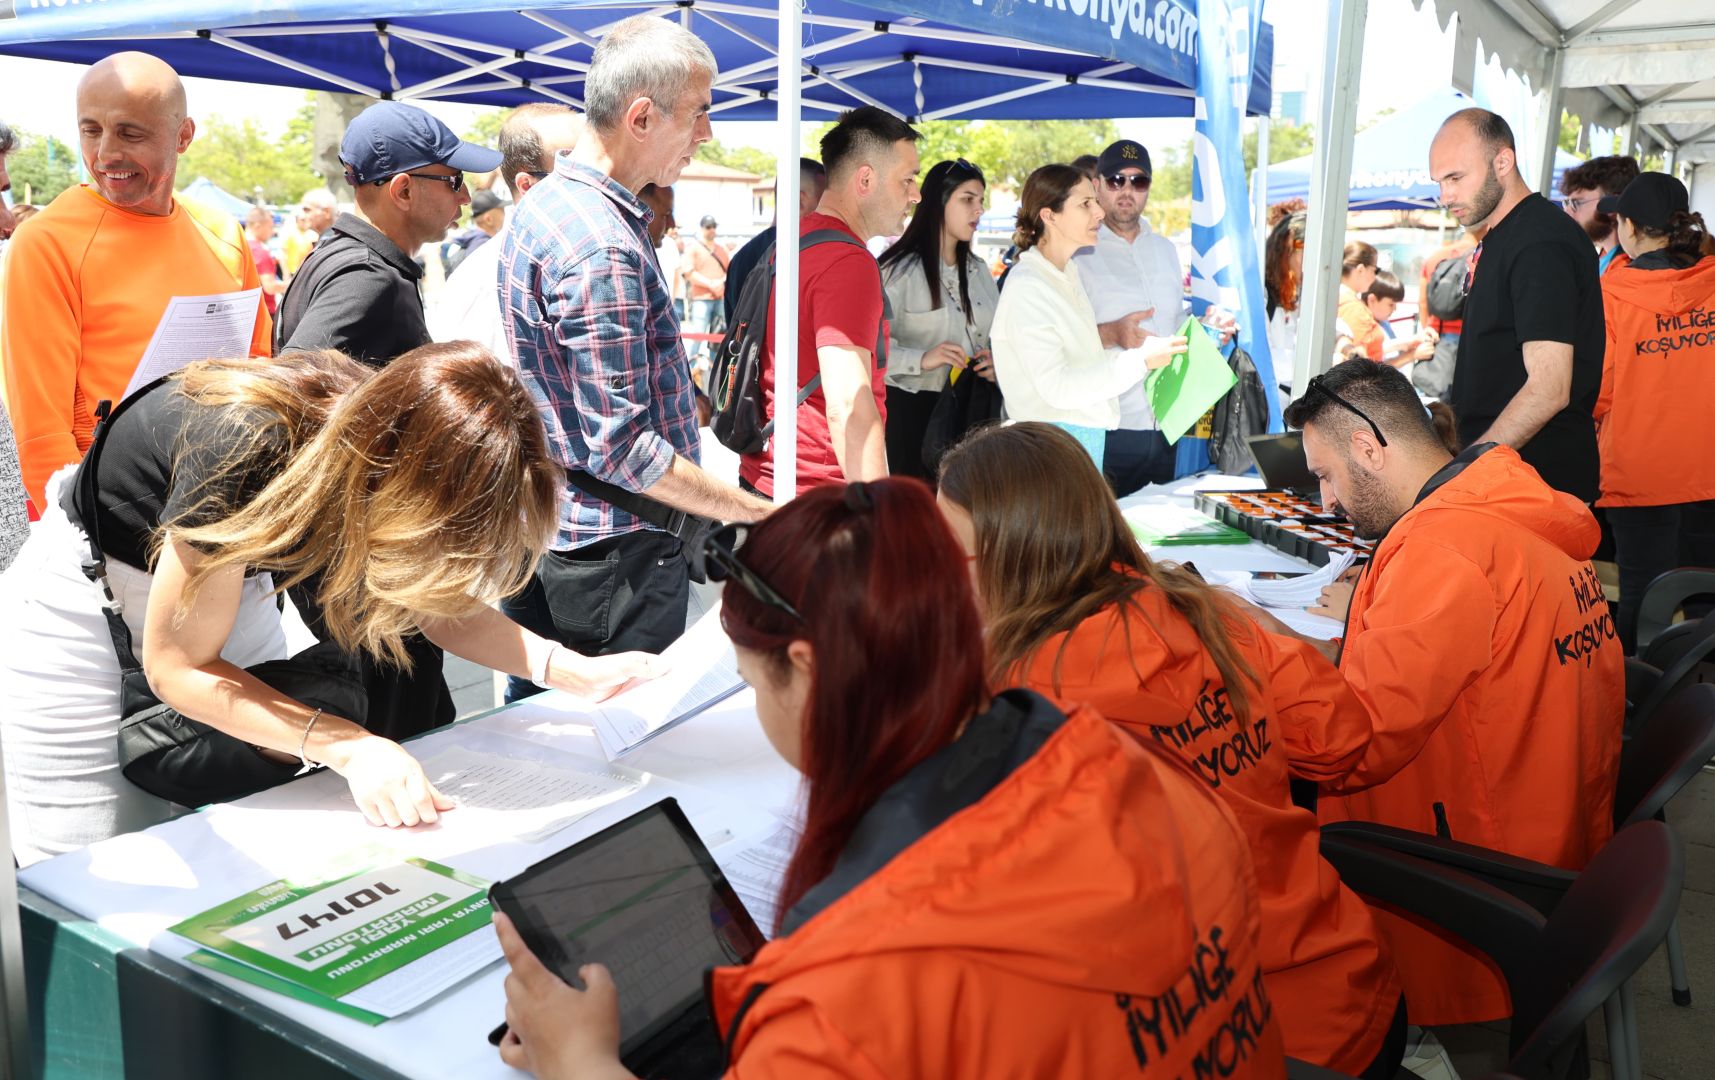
x,y
1658,390
390,502
1048,352
1479,641
986,885
1080,613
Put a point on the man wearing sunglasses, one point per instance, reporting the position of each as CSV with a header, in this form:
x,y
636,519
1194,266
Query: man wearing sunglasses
x,y
1483,650
359,291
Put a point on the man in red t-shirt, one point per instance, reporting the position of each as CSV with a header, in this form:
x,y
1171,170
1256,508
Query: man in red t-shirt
x,y
258,230
872,163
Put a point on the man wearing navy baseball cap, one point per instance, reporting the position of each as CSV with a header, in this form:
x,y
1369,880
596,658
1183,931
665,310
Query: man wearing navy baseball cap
x,y
358,291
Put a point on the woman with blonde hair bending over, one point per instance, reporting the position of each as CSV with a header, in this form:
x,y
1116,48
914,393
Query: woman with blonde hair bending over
x,y
1080,613
390,502
1048,352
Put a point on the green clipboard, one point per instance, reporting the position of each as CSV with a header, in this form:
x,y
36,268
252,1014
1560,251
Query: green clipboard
x,y
1189,386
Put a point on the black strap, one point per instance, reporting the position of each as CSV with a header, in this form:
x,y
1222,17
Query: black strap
x,y
672,521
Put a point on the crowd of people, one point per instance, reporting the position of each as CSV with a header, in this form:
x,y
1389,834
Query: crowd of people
x,y
1070,731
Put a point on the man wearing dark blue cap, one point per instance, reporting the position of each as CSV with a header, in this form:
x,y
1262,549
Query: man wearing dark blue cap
x,y
359,290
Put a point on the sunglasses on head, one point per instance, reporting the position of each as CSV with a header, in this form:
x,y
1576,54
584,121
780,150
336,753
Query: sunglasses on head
x,y
1118,181
721,563
1318,386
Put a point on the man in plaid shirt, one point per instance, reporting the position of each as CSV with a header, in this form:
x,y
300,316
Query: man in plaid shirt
x,y
591,323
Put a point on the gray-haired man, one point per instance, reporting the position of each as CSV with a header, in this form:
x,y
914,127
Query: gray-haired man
x,y
591,324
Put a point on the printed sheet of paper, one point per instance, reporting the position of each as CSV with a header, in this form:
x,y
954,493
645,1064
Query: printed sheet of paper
x,y
756,866
218,326
382,938
1302,591
702,672
525,800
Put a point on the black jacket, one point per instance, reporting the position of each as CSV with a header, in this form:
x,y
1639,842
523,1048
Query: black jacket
x,y
358,293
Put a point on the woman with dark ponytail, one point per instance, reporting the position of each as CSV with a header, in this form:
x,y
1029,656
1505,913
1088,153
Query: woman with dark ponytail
x,y
1658,390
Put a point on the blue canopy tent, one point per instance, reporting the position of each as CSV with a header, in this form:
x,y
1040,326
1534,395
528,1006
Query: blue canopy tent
x,y
922,59
1390,160
209,193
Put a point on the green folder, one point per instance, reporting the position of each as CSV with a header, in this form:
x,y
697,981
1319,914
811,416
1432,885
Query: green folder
x,y
1190,385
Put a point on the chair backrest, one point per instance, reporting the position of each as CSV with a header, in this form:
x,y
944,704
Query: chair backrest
x,y
1677,653
1665,751
1666,595
1611,920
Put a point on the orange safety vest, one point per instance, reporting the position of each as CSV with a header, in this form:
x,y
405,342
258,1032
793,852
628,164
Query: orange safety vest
x,y
1093,913
1327,969
1481,643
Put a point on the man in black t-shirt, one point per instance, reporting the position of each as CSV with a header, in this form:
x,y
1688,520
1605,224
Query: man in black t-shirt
x,y
1530,354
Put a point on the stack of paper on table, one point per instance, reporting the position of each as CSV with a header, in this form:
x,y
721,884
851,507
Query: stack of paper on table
x,y
1163,525
371,937
702,672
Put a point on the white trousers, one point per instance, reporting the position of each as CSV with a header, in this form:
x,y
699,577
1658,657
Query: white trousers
x,y
59,687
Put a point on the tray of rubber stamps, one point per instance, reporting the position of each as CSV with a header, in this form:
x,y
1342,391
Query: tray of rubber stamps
x,y
1291,523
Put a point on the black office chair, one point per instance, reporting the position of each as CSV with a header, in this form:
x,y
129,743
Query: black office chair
x,y
1663,598
1675,658
1559,970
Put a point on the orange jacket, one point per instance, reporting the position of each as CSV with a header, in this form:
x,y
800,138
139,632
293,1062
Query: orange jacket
x,y
1327,971
1658,386
1047,897
85,286
1481,643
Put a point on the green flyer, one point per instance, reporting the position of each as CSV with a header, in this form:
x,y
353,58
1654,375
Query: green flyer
x,y
379,938
1190,385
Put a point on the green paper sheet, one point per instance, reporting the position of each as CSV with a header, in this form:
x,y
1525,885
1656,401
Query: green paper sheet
x,y
1185,389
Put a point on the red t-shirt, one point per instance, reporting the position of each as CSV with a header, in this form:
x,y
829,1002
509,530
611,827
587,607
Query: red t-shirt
x,y
268,268
839,303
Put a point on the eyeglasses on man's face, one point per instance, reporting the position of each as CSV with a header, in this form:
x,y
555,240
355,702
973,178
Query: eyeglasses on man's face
x,y
1118,181
1572,206
455,181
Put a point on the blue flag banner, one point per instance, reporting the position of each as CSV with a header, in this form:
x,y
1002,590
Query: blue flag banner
x,y
1225,264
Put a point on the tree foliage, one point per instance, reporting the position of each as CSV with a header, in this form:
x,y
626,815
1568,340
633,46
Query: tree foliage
x,y
748,159
242,159
42,164
485,131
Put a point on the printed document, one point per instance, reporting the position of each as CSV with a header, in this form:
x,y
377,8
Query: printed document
x,y
703,672
214,327
526,800
756,866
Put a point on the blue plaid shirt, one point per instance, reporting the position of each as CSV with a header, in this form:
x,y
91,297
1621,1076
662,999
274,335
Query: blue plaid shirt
x,y
591,323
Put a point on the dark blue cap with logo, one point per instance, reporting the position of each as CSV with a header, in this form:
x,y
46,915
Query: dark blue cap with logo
x,y
1125,154
391,137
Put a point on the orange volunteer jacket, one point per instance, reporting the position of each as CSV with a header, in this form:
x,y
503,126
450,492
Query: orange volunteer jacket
x,y
1328,973
85,286
1658,385
1046,897
1482,645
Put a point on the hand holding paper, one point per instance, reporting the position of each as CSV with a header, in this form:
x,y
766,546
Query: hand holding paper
x,y
1182,391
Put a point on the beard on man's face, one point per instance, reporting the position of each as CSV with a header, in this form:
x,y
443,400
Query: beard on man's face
x,y
1600,228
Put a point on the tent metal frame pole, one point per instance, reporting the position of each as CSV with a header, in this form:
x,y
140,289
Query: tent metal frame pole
x,y
507,79
902,29
771,65
789,48
1087,79
994,99
293,65
559,27
1551,110
1330,180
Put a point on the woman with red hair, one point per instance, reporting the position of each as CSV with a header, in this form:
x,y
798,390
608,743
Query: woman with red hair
x,y
976,893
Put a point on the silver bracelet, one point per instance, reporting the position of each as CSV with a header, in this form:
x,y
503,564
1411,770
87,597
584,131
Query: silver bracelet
x,y
305,764
539,676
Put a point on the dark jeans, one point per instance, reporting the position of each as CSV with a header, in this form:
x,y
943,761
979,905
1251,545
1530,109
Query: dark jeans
x,y
1650,541
626,593
1137,458
908,414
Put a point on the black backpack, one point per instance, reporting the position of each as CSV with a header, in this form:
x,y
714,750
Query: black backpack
x,y
735,375
1242,412
1445,296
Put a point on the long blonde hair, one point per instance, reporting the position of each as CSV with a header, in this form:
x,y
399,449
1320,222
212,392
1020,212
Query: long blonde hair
x,y
1053,549
424,489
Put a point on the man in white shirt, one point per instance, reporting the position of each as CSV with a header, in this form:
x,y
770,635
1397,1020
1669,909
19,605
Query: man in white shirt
x,y
468,306
1137,288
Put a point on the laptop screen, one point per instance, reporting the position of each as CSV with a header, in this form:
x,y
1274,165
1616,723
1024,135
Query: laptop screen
x,y
1280,460
645,898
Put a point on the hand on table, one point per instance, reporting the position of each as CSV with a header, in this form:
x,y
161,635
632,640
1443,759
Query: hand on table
x,y
600,677
553,1031
388,784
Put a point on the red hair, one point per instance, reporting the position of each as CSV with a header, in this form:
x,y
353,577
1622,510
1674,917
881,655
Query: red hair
x,y
899,664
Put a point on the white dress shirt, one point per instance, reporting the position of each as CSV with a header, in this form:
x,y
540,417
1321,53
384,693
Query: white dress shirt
x,y
467,307
1124,276
1048,354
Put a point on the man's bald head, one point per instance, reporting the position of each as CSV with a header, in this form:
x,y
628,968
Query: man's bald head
x,y
132,128
1475,163
530,137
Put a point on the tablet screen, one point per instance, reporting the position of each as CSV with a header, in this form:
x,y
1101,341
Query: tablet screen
x,y
639,898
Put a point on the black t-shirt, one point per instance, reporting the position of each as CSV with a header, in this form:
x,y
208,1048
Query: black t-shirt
x,y
357,292
1536,280
166,459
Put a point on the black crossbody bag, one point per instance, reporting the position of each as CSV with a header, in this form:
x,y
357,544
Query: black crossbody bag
x,y
161,750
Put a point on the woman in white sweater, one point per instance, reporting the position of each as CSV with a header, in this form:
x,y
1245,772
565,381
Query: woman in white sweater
x,y
943,301
1048,353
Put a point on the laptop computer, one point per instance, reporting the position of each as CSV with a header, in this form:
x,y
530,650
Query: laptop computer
x,y
645,898
1280,460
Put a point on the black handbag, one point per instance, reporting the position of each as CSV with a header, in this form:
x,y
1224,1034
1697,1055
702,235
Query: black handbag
x,y
164,752
967,404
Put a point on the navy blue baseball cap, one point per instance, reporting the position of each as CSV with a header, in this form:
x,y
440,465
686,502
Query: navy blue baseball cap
x,y
391,137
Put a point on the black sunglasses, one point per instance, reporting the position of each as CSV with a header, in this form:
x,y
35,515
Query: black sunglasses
x,y
455,181
721,563
1317,386
1138,181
